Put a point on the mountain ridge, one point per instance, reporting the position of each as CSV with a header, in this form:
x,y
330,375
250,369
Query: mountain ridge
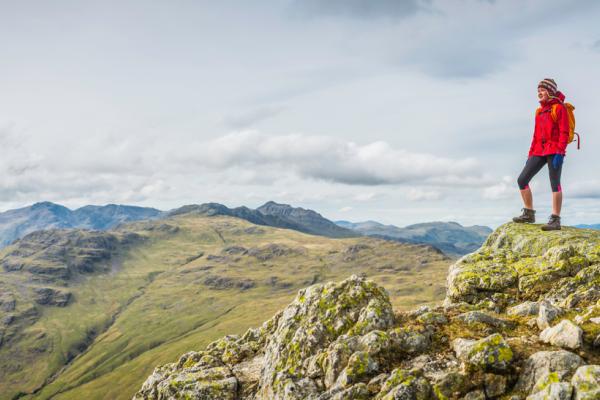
x,y
450,237
14,224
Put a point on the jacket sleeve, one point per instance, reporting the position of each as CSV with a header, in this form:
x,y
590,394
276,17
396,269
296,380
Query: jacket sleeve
x,y
531,147
562,119
533,138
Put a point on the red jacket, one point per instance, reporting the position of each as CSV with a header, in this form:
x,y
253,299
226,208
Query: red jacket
x,y
550,137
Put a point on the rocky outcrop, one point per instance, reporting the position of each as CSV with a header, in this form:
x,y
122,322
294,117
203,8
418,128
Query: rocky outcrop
x,y
51,297
500,335
331,338
56,256
7,302
516,264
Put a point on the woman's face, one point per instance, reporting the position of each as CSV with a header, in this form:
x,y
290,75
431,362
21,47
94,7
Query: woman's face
x,y
543,94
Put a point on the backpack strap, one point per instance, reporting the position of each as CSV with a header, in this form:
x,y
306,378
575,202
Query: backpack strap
x,y
554,112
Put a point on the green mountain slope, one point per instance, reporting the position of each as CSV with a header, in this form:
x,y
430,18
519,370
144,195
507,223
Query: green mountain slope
x,y
161,288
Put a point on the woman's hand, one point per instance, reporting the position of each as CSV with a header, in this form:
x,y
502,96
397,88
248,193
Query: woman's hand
x,y
557,160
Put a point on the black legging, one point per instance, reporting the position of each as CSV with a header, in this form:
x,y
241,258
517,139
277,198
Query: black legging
x,y
534,165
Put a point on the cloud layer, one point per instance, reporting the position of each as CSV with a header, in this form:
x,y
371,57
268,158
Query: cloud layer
x,y
335,160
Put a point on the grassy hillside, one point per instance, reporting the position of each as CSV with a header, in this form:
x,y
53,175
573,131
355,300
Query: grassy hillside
x,y
188,280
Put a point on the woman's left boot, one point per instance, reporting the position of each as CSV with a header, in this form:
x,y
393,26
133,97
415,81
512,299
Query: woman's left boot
x,y
553,224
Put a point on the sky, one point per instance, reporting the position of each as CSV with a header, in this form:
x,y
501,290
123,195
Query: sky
x,y
395,111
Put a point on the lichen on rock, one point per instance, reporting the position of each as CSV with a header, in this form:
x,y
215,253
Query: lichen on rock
x,y
488,354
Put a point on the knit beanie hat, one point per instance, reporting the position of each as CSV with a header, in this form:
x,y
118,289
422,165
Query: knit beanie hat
x,y
549,85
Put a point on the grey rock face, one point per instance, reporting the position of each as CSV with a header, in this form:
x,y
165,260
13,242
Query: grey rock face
x,y
405,385
7,302
547,314
489,354
319,315
206,378
472,317
495,385
517,262
565,334
332,333
475,395
562,363
586,382
554,391
51,297
524,309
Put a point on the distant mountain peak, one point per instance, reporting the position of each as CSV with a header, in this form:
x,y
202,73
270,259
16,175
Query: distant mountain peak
x,y
46,204
274,214
450,237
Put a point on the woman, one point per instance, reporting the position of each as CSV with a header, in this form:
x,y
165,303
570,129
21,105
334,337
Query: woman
x,y
548,147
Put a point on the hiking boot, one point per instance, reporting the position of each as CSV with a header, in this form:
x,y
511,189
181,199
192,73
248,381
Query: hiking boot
x,y
553,224
528,217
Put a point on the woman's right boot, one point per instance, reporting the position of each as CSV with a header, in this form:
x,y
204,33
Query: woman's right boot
x,y
528,217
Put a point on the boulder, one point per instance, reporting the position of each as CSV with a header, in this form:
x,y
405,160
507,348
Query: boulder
x,y
473,317
564,334
360,367
432,318
524,309
405,385
495,385
562,363
547,313
316,318
554,391
207,378
489,354
475,395
586,382
447,383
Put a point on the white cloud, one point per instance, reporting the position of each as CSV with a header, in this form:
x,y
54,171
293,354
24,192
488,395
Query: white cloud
x,y
584,190
331,159
505,189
